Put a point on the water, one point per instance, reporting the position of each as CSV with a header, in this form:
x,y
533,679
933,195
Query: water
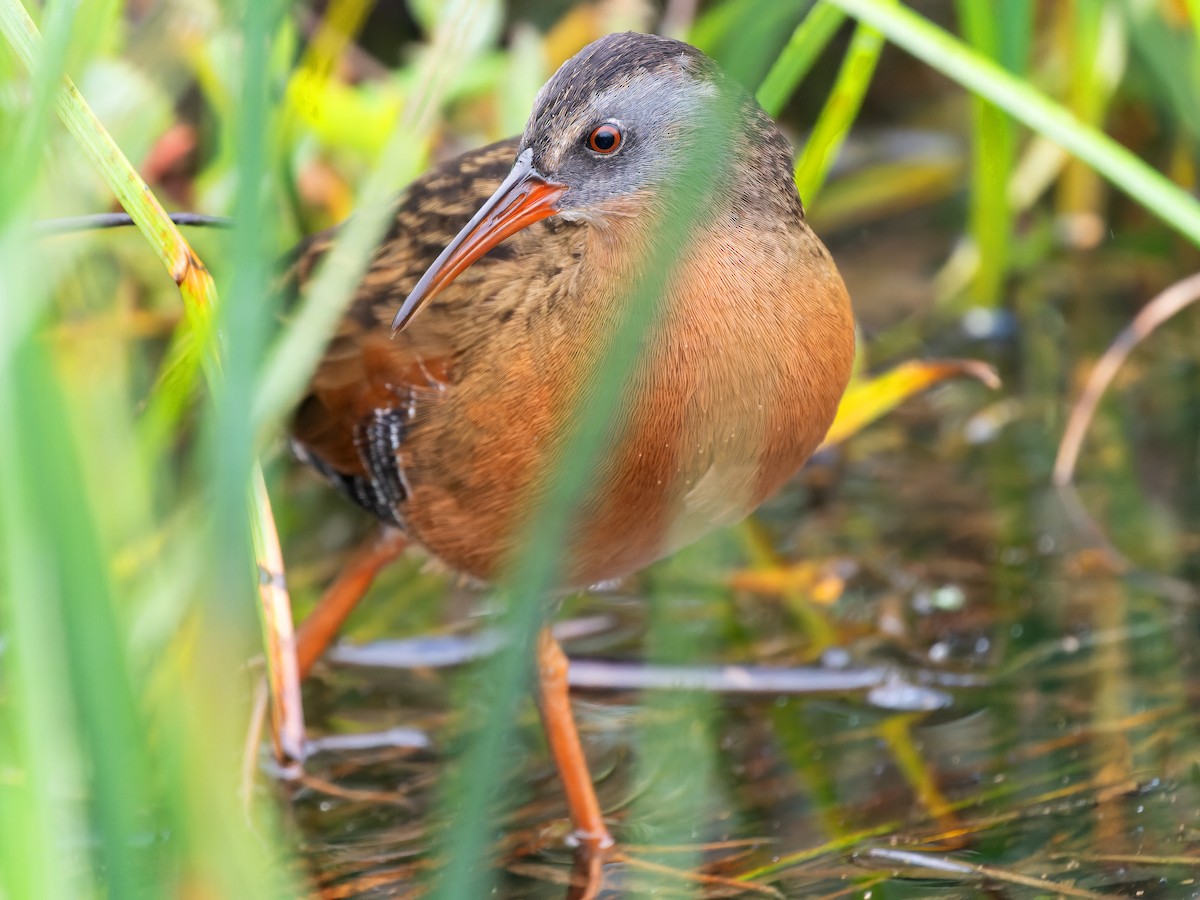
x,y
1060,628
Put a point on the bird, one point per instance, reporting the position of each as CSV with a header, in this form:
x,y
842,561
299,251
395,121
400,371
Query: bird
x,y
442,401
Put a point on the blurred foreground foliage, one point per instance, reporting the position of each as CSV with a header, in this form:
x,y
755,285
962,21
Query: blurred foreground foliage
x,y
126,585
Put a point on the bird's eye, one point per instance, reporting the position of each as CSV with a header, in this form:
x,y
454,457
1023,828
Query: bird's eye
x,y
604,138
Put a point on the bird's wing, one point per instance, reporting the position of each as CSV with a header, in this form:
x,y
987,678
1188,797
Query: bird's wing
x,y
367,386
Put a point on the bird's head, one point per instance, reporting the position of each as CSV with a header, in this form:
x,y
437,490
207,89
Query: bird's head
x,y
629,119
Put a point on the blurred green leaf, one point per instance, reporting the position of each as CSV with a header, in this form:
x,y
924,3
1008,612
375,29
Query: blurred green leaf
x,y
1003,33
1171,53
943,52
478,25
840,110
745,36
807,42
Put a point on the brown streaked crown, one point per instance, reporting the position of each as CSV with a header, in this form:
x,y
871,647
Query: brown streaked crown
x,y
673,106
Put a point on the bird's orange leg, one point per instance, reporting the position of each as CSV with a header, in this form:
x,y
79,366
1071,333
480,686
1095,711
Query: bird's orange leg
x,y
554,703
321,626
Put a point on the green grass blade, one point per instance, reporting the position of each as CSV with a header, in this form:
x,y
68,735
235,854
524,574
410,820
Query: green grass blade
x,y
114,745
125,182
243,321
529,585
840,110
37,738
22,148
1095,53
746,36
94,140
999,32
807,42
298,350
1172,55
940,50
44,468
49,703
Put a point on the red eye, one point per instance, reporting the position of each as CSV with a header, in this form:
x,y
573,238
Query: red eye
x,y
604,138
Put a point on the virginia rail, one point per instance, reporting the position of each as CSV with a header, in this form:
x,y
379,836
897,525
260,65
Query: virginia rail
x,y
499,275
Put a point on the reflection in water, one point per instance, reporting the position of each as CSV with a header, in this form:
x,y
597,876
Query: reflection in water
x,y
1066,760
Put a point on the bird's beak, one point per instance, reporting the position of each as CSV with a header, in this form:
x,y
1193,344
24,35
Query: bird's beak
x,y
525,197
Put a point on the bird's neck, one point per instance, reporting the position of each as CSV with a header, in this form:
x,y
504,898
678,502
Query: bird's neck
x,y
636,255
746,351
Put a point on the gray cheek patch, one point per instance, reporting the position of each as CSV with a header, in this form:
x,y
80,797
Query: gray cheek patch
x,y
646,103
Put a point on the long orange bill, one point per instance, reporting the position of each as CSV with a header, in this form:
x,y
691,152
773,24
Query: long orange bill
x,y
524,197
